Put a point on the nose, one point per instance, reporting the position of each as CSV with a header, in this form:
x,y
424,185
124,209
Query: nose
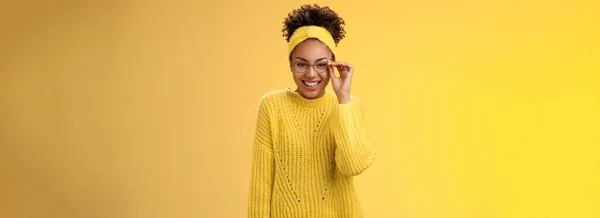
x,y
311,72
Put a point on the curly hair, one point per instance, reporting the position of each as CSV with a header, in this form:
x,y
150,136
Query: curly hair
x,y
314,15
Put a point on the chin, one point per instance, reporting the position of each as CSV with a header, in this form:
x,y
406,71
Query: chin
x,y
311,94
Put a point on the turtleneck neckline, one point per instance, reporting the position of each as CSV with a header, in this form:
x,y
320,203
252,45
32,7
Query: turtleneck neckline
x,y
305,102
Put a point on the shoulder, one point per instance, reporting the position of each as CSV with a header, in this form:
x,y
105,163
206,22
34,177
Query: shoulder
x,y
269,100
271,95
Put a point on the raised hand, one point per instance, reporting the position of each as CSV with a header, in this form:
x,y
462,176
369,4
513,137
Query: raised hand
x,y
341,84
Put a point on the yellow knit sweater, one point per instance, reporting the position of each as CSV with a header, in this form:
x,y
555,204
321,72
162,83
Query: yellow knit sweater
x,y
305,155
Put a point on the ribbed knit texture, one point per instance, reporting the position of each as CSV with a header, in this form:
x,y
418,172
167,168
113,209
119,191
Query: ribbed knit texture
x,y
305,155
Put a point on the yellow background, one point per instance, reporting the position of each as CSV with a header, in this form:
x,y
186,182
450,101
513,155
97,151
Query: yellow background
x,y
477,109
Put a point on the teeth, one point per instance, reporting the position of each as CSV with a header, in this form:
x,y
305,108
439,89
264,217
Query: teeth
x,y
311,83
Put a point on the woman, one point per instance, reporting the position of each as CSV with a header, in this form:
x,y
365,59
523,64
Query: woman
x,y
309,142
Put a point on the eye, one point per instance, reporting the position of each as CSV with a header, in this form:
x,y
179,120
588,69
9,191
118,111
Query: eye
x,y
301,64
321,64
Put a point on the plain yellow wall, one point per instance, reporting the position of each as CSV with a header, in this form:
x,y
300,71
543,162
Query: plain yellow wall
x,y
123,109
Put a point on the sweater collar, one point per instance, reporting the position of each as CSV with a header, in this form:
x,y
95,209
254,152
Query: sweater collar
x,y
304,102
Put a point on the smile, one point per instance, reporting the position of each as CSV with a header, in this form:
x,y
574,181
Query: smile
x,y
311,84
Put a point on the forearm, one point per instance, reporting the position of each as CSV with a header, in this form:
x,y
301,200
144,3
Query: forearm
x,y
261,185
354,151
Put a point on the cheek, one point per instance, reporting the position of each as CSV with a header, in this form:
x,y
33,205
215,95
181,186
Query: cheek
x,y
297,78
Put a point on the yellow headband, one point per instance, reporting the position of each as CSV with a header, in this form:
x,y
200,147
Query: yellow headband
x,y
307,32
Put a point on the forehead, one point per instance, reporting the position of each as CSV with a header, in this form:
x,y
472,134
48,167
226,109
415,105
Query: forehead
x,y
311,49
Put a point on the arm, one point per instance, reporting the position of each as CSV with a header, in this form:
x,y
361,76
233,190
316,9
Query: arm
x,y
263,166
354,152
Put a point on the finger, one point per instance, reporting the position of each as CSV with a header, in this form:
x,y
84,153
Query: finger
x,y
331,70
336,63
331,73
342,66
343,70
346,72
334,79
350,70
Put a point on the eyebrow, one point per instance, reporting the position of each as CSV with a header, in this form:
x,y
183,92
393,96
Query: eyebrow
x,y
307,60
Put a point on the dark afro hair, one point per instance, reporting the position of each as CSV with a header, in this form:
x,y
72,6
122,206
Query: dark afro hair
x,y
314,15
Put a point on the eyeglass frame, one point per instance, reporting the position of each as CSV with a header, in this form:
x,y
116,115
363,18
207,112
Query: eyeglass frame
x,y
309,66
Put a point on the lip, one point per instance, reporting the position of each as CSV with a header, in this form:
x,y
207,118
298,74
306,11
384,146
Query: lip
x,y
313,88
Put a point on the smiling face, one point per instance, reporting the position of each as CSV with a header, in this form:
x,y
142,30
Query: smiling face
x,y
310,83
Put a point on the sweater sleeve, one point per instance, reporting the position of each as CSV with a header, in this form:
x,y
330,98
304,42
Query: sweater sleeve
x,y
263,166
354,151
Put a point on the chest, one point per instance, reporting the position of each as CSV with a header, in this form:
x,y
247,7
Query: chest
x,y
303,131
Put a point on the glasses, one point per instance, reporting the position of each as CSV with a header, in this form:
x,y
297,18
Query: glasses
x,y
303,67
